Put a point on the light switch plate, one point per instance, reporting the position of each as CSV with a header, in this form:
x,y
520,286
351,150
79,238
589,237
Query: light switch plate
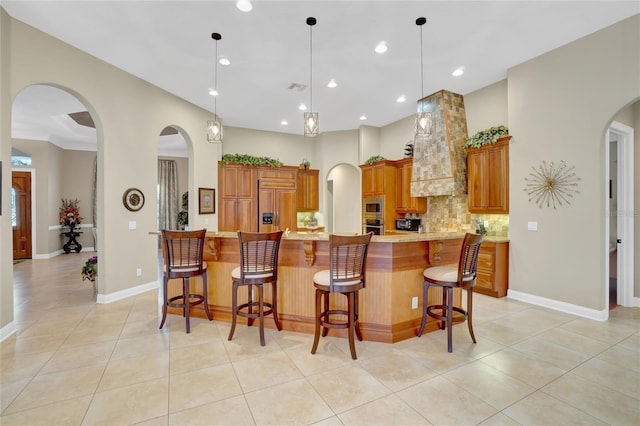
x,y
132,224
532,226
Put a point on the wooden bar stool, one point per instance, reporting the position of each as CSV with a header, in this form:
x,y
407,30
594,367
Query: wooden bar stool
x,y
346,275
449,277
183,258
258,265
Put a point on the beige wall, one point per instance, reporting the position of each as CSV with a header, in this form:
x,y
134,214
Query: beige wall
x,y
112,97
487,107
560,105
6,236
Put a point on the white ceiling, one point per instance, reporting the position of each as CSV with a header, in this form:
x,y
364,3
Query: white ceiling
x,y
168,43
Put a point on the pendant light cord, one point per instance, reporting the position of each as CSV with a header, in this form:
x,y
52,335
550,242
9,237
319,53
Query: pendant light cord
x,y
215,82
421,72
310,68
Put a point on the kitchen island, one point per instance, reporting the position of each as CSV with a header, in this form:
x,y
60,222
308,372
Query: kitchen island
x,y
395,264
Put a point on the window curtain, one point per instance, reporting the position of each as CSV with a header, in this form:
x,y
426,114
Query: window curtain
x,y
94,202
167,194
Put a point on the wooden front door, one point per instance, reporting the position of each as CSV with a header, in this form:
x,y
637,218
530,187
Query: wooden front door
x,y
21,205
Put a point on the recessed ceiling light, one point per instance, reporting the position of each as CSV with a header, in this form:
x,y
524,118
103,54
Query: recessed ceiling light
x,y
401,98
224,61
381,47
284,122
458,72
363,117
302,107
213,92
244,5
332,83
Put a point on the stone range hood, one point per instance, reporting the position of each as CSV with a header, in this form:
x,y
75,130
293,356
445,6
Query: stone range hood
x,y
439,158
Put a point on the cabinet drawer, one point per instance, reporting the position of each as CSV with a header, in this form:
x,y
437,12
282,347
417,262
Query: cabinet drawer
x,y
486,260
283,184
484,280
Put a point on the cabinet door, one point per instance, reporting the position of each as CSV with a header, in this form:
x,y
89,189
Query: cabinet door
x,y
475,180
367,182
227,215
497,180
237,214
308,200
488,178
378,180
246,215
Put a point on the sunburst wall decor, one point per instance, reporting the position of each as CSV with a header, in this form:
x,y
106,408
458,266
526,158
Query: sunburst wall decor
x,y
552,185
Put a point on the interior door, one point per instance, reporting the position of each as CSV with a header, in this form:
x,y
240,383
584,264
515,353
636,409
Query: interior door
x,y
21,214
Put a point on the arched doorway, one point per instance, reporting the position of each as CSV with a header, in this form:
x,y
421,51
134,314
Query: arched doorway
x,y
173,179
343,209
53,128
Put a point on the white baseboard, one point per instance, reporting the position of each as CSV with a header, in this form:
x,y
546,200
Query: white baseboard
x,y
59,252
123,294
8,331
580,311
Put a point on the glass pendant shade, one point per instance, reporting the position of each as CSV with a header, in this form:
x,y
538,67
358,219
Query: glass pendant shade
x,y
214,131
311,127
423,124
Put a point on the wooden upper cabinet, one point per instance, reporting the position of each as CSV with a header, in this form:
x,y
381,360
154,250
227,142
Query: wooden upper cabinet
x,y
237,198
237,181
378,180
308,198
488,177
405,203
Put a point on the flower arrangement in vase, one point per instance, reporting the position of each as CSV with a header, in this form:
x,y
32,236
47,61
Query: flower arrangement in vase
x,y
70,213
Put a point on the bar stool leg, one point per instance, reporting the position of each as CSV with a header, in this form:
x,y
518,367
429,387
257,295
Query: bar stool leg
x,y
425,298
355,316
205,296
234,308
449,319
325,296
165,283
274,304
261,313
316,337
186,307
469,311
351,325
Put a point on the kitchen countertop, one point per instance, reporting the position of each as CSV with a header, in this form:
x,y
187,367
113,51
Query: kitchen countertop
x,y
395,237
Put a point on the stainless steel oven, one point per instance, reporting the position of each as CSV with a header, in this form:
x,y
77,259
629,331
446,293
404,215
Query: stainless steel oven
x,y
373,215
373,225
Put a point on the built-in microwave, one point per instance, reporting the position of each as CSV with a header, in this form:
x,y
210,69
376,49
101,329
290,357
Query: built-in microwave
x,y
373,207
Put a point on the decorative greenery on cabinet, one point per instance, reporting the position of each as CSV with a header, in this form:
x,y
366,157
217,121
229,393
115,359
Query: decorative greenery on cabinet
x,y
250,160
374,159
486,137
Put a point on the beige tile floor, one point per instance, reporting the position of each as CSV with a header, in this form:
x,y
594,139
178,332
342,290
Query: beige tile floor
x,y
76,362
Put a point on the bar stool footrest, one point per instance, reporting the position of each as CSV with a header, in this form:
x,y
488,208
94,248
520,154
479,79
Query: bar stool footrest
x,y
443,310
197,300
243,310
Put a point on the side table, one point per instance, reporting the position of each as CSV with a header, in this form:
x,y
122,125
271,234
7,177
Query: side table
x,y
72,243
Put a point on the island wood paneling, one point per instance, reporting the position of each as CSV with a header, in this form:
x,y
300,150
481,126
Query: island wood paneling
x,y
394,275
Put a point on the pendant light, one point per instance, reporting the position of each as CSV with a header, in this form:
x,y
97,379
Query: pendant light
x,y
214,127
311,126
423,119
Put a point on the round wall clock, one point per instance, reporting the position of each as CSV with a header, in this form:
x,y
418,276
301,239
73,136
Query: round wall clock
x,y
133,199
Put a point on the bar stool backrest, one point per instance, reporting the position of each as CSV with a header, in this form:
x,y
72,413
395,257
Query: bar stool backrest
x,y
468,262
347,260
184,252
259,255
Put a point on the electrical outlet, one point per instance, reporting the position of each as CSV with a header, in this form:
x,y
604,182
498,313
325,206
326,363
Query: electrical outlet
x,y
414,302
532,226
486,223
132,224
139,272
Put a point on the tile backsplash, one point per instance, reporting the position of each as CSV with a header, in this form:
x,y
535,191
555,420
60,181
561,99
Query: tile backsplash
x,y
451,214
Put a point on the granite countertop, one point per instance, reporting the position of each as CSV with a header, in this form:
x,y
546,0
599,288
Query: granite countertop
x,y
396,237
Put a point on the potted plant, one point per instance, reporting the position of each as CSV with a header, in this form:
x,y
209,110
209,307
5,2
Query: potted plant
x,y
183,215
486,137
90,273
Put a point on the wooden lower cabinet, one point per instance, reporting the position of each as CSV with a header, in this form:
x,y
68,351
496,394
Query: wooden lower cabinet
x,y
493,269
